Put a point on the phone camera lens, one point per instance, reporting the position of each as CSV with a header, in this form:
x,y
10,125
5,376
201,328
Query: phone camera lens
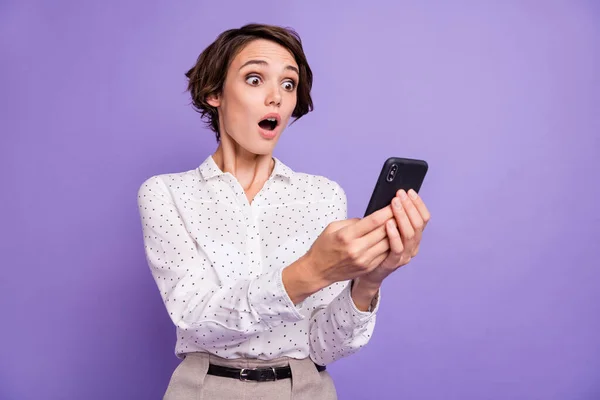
x,y
392,174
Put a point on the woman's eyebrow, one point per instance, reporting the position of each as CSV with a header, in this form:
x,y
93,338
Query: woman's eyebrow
x,y
263,63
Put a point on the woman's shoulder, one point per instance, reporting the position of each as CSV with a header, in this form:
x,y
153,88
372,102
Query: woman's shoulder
x,y
315,185
163,183
320,186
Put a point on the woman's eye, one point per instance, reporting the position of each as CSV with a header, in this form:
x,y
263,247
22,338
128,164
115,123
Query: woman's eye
x,y
289,85
253,80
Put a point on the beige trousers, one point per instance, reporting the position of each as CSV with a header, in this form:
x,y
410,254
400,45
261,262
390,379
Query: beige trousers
x,y
191,382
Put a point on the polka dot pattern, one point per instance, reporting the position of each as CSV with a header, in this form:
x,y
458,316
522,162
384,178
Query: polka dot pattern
x,y
217,261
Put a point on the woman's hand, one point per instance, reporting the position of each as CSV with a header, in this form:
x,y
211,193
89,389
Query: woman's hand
x,y
366,250
350,248
404,233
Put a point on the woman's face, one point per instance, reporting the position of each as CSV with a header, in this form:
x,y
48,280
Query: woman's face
x,y
258,97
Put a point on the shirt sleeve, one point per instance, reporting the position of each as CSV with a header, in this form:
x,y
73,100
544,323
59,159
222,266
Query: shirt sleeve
x,y
226,315
337,328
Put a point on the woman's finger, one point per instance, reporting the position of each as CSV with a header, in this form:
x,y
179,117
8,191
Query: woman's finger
x,y
377,261
370,223
420,206
391,259
413,215
396,245
405,227
370,239
378,250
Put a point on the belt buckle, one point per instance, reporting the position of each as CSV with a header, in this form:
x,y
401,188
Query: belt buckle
x,y
244,375
274,375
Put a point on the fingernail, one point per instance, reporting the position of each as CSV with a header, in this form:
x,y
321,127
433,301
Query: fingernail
x,y
412,194
396,202
402,194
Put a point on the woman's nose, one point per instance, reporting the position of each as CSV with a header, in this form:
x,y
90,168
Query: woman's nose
x,y
274,96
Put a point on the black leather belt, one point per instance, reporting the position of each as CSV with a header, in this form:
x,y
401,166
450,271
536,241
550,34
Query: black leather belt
x,y
254,374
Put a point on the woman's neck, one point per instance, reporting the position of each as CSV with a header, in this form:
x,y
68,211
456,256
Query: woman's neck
x,y
251,170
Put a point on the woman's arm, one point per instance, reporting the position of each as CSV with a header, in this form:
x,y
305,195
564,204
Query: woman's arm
x,y
193,297
340,329
343,324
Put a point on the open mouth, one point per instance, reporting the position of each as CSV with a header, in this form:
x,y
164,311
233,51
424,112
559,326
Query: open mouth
x,y
268,124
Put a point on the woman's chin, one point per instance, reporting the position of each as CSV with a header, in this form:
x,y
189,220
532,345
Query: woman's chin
x,y
259,146
254,143
264,149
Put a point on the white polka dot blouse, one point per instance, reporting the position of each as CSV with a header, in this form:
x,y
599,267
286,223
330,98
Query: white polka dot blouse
x,y
217,261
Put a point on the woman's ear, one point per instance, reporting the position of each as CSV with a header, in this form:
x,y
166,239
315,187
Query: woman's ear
x,y
213,99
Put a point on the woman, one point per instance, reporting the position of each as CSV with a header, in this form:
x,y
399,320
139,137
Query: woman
x,y
263,276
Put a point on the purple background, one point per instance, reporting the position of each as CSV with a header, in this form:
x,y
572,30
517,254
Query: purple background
x,y
502,99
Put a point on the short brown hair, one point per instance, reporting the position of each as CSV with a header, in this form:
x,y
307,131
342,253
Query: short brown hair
x,y
208,75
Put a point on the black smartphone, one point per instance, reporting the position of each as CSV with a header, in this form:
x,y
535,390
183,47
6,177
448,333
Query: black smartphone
x,y
397,173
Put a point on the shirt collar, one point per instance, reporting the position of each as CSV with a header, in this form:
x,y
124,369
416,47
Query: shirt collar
x,y
209,169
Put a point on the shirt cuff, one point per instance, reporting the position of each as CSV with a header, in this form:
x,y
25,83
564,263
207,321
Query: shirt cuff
x,y
359,317
373,307
270,300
